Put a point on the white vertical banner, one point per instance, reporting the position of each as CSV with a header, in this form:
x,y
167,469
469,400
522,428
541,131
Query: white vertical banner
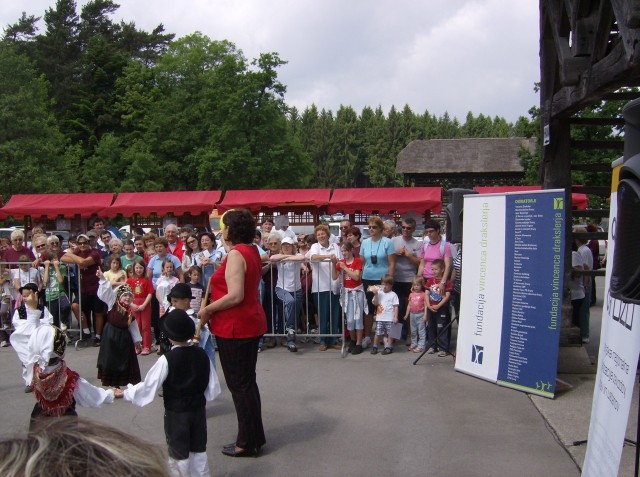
x,y
480,327
617,362
511,292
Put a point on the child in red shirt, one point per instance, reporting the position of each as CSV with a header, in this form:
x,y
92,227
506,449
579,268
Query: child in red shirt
x,y
141,306
438,314
351,295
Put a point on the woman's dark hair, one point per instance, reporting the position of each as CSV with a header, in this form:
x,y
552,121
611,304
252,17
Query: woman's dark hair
x,y
211,236
241,225
353,230
189,250
432,224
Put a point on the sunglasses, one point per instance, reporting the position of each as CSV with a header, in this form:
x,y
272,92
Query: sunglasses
x,y
84,242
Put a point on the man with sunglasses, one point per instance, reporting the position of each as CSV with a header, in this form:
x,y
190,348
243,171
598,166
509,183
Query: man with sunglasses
x,y
345,225
88,261
407,262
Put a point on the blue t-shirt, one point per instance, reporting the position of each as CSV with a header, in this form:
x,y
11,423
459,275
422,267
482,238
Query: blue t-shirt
x,y
380,249
155,264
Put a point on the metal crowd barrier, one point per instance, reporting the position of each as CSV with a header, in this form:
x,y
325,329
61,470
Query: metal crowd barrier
x,y
23,273
307,318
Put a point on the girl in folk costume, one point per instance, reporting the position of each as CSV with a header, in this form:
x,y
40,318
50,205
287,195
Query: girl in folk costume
x,y
58,389
117,359
26,319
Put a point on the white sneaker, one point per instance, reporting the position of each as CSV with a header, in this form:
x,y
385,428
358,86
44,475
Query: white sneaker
x,y
4,344
366,342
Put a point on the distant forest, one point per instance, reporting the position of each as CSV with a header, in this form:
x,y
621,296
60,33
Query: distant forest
x,y
89,105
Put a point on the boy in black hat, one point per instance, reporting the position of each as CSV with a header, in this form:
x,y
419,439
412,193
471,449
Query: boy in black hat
x,y
180,297
187,380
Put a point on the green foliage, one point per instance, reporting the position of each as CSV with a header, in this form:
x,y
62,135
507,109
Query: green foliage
x,y
110,107
30,143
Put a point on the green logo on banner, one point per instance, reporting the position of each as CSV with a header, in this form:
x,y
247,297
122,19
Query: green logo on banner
x,y
558,203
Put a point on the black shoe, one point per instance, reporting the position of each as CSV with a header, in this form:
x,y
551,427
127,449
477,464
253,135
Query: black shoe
x,y
374,350
357,349
351,346
96,342
387,351
28,389
232,452
291,346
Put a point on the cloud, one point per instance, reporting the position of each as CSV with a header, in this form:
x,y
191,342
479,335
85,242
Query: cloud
x,y
436,55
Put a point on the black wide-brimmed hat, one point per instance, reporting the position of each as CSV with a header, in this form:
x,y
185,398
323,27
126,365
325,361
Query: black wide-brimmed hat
x,y
29,286
178,326
180,290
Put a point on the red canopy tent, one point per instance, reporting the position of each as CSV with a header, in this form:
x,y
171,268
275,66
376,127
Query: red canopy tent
x,y
386,199
52,206
288,200
162,203
579,201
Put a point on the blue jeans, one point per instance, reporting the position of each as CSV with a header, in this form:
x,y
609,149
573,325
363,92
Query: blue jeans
x,y
328,306
207,342
354,322
418,330
291,305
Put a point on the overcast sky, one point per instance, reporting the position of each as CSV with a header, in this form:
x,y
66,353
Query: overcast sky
x,y
450,56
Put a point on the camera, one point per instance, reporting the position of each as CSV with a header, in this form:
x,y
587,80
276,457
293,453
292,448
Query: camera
x,y
374,259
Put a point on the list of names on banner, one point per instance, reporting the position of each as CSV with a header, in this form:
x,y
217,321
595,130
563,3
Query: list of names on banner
x,y
525,249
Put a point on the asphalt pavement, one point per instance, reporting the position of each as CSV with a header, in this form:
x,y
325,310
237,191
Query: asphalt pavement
x,y
369,415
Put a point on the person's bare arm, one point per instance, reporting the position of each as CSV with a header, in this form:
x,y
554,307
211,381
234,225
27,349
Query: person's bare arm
x,y
234,276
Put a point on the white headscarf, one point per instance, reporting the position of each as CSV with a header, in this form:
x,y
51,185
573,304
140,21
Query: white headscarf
x,y
46,342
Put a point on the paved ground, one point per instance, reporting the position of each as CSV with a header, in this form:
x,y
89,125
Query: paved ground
x,y
366,415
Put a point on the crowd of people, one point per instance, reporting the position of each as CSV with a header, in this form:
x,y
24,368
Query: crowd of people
x,y
320,282
312,284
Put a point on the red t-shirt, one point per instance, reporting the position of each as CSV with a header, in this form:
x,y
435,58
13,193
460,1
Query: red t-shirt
x,y
89,281
141,287
433,290
356,264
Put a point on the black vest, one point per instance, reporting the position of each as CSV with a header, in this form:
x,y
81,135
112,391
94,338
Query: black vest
x,y
188,378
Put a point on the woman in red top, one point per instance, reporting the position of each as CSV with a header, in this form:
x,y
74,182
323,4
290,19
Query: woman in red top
x,y
238,321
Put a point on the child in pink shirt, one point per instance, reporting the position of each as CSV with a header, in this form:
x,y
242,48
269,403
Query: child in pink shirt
x,y
417,313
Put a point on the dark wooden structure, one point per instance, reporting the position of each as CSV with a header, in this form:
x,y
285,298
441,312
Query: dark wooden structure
x,y
463,163
589,51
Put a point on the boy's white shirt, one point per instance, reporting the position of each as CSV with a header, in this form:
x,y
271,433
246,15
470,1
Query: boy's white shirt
x,y
388,301
145,392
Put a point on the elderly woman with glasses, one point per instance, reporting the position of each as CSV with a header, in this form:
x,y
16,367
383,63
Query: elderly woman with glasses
x,y
324,290
17,249
378,256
